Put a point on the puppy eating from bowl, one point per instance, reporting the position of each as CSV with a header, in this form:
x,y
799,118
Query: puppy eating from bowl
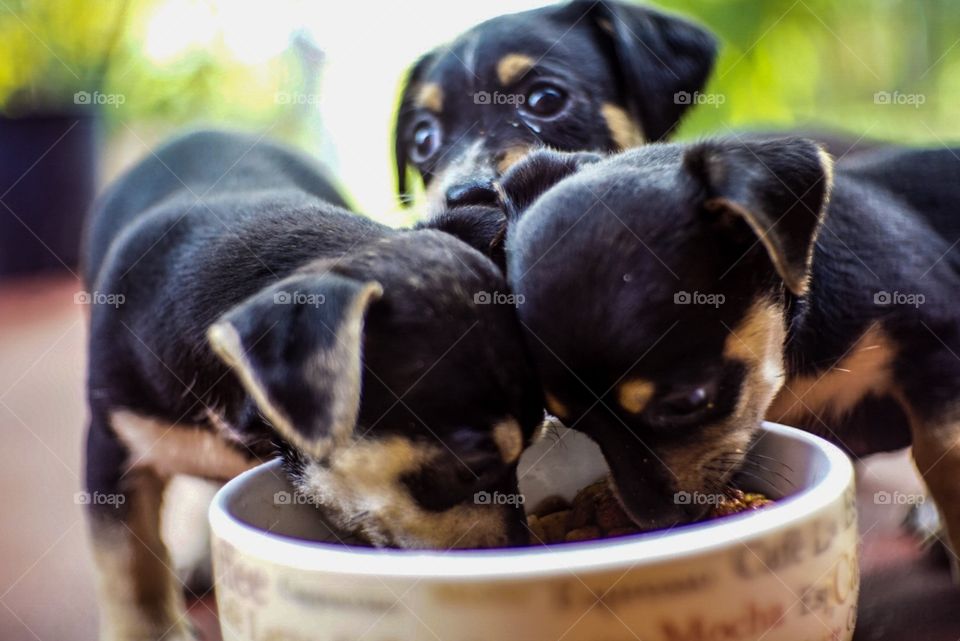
x,y
675,295
258,316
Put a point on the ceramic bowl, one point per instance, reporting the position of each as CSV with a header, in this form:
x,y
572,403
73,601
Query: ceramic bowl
x,y
784,573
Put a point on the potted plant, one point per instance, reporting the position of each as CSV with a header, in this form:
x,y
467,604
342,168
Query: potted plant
x,y
54,58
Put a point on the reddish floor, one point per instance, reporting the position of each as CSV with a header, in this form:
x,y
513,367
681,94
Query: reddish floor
x,y
45,573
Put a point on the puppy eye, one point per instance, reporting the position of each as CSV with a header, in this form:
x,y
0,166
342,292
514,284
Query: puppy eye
x,y
545,100
425,139
682,405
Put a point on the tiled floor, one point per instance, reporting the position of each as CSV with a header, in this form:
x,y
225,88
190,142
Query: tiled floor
x,y
46,591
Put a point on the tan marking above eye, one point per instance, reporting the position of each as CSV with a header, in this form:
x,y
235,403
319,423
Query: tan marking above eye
x,y
556,407
634,395
624,131
512,67
430,96
511,156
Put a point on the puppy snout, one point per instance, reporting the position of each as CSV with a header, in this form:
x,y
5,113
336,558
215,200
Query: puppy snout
x,y
473,192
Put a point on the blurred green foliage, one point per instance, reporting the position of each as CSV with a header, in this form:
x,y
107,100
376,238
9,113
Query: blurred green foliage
x,y
51,49
821,63
784,64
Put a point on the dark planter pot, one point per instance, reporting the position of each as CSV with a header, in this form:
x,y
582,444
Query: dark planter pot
x,y
48,174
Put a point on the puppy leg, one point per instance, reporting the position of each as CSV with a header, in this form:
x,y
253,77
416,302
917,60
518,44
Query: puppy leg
x,y
138,594
936,452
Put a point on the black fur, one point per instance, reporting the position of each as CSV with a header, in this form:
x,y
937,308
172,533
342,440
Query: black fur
x,y
597,53
270,225
603,250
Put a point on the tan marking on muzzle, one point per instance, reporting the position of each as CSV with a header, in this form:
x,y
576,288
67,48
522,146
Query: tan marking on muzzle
x,y
430,96
624,131
634,395
512,66
509,439
510,157
699,465
362,489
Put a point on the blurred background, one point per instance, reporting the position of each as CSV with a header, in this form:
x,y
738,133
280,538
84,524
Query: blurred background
x,y
123,74
89,86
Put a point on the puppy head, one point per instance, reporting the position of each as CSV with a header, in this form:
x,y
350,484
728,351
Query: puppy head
x,y
575,76
655,285
398,396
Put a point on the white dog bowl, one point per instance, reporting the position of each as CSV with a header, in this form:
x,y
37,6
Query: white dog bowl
x,y
784,573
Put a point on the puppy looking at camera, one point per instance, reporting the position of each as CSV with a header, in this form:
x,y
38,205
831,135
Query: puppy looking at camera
x,y
675,295
260,317
574,76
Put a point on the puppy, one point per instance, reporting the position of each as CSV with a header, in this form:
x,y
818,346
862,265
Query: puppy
x,y
676,295
575,76
256,316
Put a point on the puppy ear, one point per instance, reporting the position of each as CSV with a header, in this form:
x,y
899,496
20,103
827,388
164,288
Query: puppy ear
x,y
414,76
537,172
296,348
779,188
663,60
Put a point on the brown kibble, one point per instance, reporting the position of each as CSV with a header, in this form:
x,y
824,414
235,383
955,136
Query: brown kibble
x,y
584,509
554,526
738,501
610,516
537,535
588,533
595,513
551,504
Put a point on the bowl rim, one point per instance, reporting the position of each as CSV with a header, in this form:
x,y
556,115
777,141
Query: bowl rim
x,y
687,543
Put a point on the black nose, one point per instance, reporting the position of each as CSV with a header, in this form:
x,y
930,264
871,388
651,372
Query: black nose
x,y
474,192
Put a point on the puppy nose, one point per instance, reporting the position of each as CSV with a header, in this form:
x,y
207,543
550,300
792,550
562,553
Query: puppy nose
x,y
474,192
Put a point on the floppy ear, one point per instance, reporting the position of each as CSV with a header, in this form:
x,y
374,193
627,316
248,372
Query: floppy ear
x,y
537,172
779,188
296,348
404,110
663,60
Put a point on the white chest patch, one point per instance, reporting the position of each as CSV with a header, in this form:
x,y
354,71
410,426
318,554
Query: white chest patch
x,y
177,449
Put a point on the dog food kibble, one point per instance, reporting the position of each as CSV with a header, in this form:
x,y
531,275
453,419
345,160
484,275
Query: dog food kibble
x,y
596,514
739,501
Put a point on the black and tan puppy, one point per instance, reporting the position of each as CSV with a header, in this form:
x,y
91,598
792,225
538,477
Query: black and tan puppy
x,y
675,295
255,315
581,75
